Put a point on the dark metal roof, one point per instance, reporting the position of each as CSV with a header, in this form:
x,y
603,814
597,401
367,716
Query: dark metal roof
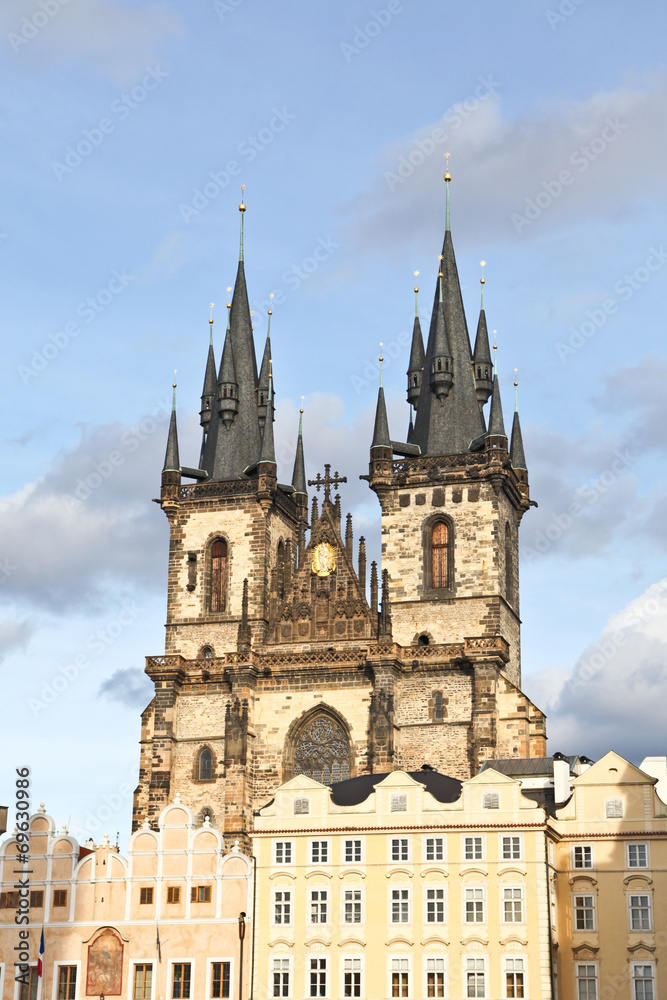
x,y
529,766
356,790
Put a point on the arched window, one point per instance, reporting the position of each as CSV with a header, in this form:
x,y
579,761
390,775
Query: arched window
x,y
423,640
509,565
218,575
321,749
440,556
280,570
205,765
437,705
206,653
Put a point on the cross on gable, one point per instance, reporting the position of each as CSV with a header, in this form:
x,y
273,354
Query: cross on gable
x,y
327,481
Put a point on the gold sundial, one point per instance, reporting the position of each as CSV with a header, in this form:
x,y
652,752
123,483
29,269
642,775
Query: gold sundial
x,y
324,559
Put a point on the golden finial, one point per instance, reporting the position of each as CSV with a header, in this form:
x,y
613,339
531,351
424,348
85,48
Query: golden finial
x,y
242,206
448,176
416,274
302,399
495,354
174,382
482,263
229,304
381,359
252,313
270,309
211,319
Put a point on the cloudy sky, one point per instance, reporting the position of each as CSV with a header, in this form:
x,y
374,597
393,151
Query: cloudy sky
x,y
128,130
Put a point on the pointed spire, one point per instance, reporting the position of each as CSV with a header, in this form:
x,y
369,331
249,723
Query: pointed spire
x,y
349,541
210,380
242,211
447,179
496,422
416,365
517,454
228,389
381,437
265,373
268,452
374,588
361,572
314,518
299,473
410,428
482,355
442,362
171,459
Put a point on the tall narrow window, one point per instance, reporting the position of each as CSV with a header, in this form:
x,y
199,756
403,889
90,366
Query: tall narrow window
x,y
67,982
509,566
440,555
280,571
218,575
28,990
437,706
205,765
143,982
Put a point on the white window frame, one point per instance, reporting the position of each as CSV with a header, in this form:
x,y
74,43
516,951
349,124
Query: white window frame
x,y
401,861
352,958
290,974
465,970
390,915
320,841
582,868
431,887
434,861
474,837
130,986
274,922
586,965
17,986
474,923
56,977
362,907
584,895
400,958
209,976
362,849
637,843
436,958
511,837
524,972
274,853
633,966
327,900
649,898
522,898
188,960
318,956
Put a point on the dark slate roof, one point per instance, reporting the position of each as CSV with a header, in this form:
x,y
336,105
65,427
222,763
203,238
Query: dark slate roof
x,y
416,348
517,454
381,430
299,473
172,462
514,767
210,381
356,790
482,354
496,422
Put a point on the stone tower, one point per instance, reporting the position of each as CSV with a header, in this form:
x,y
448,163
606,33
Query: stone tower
x,y
279,660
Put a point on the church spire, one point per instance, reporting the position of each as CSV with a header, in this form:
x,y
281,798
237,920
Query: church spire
x,y
172,461
496,422
381,429
482,356
228,389
299,473
268,452
517,454
440,375
263,384
416,365
210,381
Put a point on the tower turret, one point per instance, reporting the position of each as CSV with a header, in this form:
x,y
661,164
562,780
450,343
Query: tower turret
x,y
482,364
416,364
442,362
264,378
171,470
228,389
210,381
517,454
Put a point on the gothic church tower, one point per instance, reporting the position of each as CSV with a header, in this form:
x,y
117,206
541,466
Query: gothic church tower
x,y
278,661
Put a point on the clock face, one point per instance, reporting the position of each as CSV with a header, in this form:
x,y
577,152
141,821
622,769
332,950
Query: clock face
x,y
324,559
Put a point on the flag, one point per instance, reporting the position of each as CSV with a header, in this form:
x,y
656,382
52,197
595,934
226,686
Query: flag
x,y
157,942
41,955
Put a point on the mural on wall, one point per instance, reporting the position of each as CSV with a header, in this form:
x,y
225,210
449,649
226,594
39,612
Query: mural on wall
x,y
105,965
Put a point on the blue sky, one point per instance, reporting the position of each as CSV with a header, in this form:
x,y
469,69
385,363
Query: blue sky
x,y
128,130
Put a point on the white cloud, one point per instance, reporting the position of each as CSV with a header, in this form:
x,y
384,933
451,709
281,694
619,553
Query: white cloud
x,y
14,635
130,687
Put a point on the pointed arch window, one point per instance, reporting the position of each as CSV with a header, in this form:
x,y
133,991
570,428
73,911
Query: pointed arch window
x,y
205,765
218,571
440,556
321,749
280,570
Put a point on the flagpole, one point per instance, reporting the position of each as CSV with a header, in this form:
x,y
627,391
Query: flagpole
x,y
159,959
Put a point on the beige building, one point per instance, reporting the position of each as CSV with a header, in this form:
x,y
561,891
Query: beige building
x,y
161,922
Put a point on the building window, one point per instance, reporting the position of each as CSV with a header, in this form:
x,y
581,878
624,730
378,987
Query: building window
x,y
200,894
400,849
319,852
435,906
146,895
584,913
282,907
220,980
301,806
318,977
587,982
582,856
143,982
67,982
475,977
352,851
511,848
440,556
180,981
513,906
490,800
283,852
28,991
205,765
437,706
352,977
637,855
319,899
60,899
473,849
36,899
643,982
218,591
398,804
207,653
280,570
173,893
400,906
435,977
640,912
474,906
9,900
321,750
614,809
435,850
352,905
400,977
280,970
514,977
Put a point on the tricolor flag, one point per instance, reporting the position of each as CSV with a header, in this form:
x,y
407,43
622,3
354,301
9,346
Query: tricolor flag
x,y
41,955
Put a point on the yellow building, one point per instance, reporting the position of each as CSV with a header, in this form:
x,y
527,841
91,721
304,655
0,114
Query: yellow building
x,y
162,922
